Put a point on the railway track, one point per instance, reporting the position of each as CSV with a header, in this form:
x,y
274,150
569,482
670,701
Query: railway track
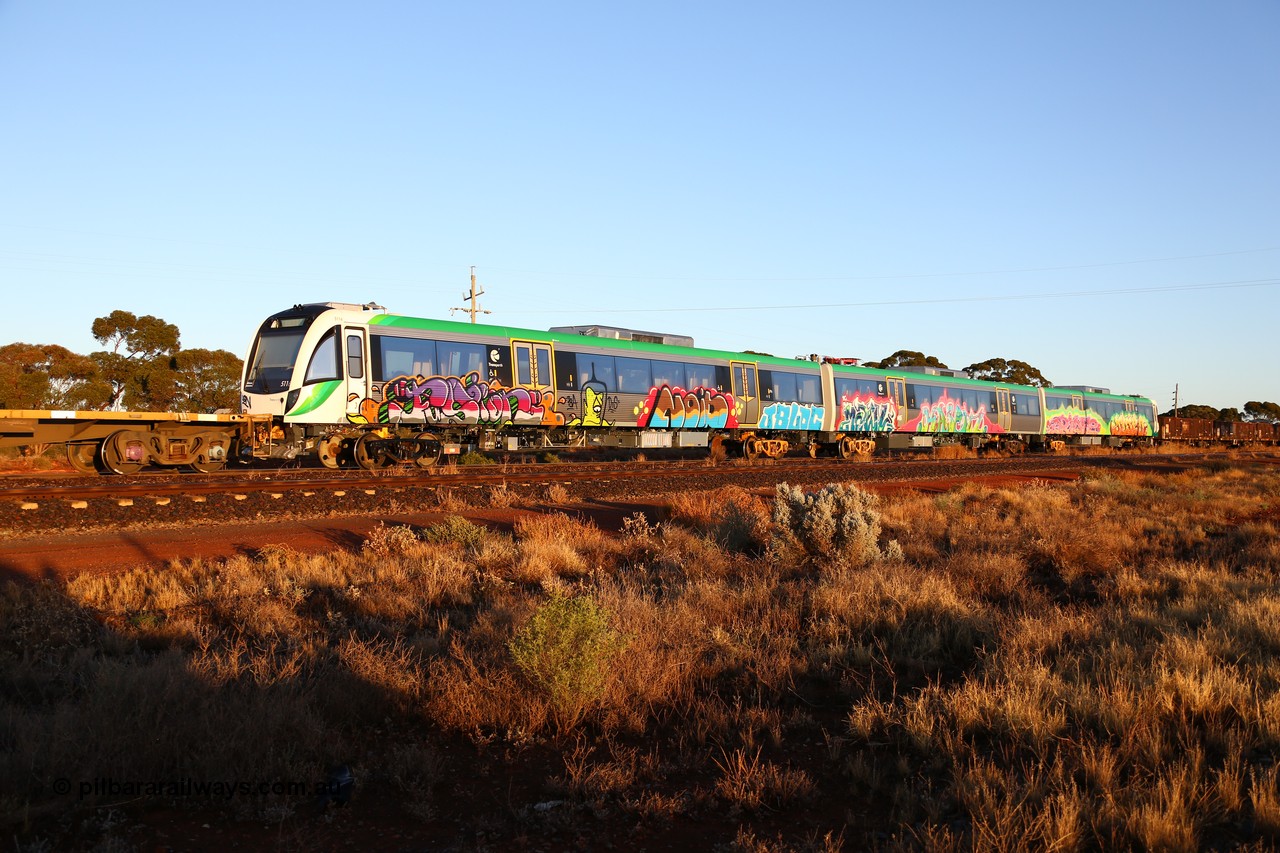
x,y
583,478
73,526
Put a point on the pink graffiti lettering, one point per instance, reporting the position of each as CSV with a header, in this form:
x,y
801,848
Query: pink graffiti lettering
x,y
1070,420
948,415
459,400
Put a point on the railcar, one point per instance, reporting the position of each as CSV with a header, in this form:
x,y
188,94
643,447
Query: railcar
x,y
125,442
1202,432
354,384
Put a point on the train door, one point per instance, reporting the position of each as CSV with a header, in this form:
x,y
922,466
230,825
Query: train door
x,y
745,392
533,368
356,368
898,393
1003,417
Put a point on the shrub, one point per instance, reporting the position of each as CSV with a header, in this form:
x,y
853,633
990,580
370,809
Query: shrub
x,y
385,540
565,650
457,529
741,524
474,457
840,520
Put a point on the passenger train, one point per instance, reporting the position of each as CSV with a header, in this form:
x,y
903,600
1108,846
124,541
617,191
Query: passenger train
x,y
357,385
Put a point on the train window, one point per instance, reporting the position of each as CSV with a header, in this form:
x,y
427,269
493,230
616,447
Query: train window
x,y
925,395
566,370
1013,404
355,356
670,373
808,390
994,405
635,375
542,357
404,357
778,385
524,366
324,361
699,376
460,359
598,368
911,395
1032,405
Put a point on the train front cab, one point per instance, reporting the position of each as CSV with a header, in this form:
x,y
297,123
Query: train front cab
x,y
308,365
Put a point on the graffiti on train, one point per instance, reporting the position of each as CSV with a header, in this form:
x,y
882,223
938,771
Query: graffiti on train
x,y
452,400
1072,420
676,408
867,414
804,416
1129,423
592,406
950,415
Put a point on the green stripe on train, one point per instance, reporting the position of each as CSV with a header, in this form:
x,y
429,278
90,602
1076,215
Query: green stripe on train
x,y
321,392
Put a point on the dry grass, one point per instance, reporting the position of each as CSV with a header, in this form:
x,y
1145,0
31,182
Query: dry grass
x,y
1093,666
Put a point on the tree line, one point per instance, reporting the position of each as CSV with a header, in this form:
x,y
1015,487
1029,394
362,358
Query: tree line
x,y
1254,410
991,370
141,367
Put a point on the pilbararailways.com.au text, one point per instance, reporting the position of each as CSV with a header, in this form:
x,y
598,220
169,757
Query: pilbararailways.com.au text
x,y
105,786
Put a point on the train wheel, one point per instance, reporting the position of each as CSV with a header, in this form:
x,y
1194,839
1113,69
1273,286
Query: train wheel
x,y
205,465
848,447
328,451
367,454
115,461
429,450
815,448
83,457
751,448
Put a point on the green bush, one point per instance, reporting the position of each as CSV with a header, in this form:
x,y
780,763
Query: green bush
x,y
457,529
565,650
475,457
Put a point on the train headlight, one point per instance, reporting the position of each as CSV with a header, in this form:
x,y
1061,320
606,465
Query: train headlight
x,y
291,400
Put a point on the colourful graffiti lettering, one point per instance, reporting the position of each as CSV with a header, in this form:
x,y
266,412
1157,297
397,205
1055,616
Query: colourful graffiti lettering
x,y
791,416
947,415
675,408
453,400
867,414
1070,420
1129,423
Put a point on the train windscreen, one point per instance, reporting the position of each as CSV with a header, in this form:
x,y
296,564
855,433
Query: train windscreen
x,y
271,365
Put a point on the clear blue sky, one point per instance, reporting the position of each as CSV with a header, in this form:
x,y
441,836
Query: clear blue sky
x,y
793,178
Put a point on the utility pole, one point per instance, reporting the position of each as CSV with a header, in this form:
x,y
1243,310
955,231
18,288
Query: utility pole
x,y
1175,396
474,299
